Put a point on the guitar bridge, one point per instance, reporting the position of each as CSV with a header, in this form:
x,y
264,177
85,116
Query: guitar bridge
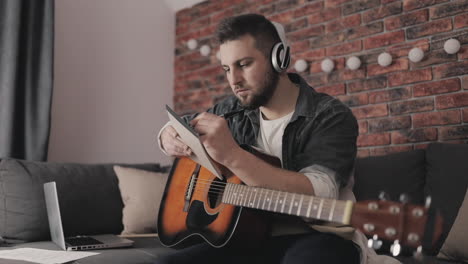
x,y
191,188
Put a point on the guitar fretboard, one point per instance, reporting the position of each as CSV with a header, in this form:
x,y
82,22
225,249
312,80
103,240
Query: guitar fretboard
x,y
288,203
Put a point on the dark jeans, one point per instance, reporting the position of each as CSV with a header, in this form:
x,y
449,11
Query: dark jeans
x,y
311,248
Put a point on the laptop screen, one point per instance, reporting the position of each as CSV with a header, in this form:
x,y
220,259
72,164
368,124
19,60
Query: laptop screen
x,y
53,214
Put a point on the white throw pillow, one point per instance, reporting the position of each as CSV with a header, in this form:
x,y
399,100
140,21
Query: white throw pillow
x,y
141,193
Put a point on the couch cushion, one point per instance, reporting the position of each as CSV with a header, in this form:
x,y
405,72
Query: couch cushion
x,y
141,193
89,197
447,180
395,174
454,247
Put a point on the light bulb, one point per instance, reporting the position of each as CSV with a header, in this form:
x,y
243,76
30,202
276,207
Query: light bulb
x,y
205,50
353,63
327,65
416,54
300,65
192,44
452,46
384,59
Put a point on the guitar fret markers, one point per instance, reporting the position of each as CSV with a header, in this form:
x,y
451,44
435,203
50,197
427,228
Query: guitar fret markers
x,y
292,202
288,203
283,203
300,206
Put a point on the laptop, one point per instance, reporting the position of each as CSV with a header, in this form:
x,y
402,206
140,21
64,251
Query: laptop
x,y
78,242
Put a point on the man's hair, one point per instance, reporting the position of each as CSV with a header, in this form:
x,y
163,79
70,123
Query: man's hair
x,y
260,28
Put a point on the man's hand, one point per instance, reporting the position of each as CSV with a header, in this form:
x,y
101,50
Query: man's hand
x,y
171,143
216,137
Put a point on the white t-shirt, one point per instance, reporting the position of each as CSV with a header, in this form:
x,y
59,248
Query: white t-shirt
x,y
270,140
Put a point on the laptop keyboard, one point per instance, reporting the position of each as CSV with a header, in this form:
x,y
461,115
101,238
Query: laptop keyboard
x,y
82,241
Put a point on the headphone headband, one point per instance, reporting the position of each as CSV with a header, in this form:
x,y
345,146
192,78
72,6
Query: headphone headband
x,y
281,33
280,56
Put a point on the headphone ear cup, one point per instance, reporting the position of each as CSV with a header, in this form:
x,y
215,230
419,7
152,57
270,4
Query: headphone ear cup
x,y
286,59
276,59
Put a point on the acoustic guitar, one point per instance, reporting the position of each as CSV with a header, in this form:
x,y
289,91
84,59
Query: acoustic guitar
x,y
197,206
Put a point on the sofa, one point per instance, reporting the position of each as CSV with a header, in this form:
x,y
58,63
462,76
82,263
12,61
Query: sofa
x,y
123,199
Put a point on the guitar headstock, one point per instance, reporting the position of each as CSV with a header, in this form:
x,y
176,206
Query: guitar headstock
x,y
403,223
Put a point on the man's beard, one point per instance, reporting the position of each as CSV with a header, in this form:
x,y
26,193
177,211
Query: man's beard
x,y
265,93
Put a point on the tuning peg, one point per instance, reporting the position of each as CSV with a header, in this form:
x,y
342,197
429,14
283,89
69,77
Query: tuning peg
x,y
395,249
428,201
384,196
404,198
374,242
418,255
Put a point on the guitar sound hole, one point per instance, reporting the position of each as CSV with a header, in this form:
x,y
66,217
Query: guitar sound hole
x,y
215,193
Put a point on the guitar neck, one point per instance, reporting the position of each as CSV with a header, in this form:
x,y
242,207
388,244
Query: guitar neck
x,y
288,203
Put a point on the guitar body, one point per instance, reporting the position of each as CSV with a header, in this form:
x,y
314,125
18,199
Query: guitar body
x,y
191,210
196,206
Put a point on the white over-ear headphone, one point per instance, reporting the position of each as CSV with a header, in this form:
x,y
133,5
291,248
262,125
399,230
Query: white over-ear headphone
x,y
280,54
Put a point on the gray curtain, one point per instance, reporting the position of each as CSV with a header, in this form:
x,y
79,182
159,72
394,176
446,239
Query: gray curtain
x,y
26,74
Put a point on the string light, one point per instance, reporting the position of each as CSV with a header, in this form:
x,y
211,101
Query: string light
x,y
300,65
407,46
327,65
452,46
205,50
353,63
384,59
416,54
192,44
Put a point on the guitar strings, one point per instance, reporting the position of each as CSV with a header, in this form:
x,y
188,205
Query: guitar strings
x,y
284,199
206,183
217,190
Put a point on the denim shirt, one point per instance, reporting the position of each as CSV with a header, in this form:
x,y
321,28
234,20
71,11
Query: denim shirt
x,y
322,130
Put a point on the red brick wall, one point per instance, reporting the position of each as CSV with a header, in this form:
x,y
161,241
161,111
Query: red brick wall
x,y
400,107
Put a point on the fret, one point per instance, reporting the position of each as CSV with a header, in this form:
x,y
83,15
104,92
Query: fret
x,y
237,192
284,202
230,194
226,194
291,204
233,193
276,204
315,206
254,193
249,197
320,209
271,200
341,210
265,199
332,210
325,208
259,197
246,195
241,195
300,205
311,200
